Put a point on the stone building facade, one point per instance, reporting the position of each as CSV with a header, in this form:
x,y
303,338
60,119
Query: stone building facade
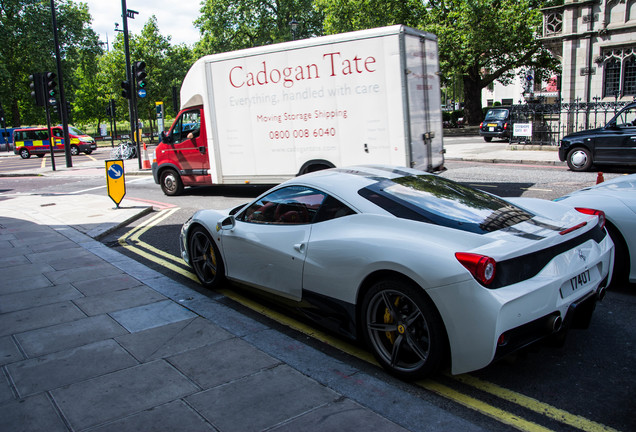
x,y
595,41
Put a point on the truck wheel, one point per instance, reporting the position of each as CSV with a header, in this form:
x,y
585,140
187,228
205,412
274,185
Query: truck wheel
x,y
579,159
24,153
171,183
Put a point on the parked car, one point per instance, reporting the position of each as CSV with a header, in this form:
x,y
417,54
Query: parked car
x,y
613,144
496,124
617,198
422,268
36,141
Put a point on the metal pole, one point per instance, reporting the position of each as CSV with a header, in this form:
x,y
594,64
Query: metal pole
x,y
129,75
63,113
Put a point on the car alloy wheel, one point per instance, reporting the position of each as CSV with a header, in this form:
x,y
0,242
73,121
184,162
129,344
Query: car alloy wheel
x,y
403,329
205,258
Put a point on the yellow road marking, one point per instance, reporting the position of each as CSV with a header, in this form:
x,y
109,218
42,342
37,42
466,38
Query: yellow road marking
x,y
498,414
482,407
534,405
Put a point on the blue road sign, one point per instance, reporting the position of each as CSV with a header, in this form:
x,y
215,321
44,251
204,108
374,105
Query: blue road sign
x,y
115,172
142,93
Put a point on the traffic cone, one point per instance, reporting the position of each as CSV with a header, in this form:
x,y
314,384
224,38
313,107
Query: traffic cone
x,y
600,178
145,164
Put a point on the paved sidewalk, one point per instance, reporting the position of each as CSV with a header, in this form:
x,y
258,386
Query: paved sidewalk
x,y
93,340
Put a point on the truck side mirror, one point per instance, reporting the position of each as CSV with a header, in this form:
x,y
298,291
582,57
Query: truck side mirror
x,y
165,138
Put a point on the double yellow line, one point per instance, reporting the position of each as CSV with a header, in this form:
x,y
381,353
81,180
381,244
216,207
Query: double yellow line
x,y
132,242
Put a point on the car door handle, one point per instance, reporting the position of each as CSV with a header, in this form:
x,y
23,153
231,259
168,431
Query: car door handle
x,y
300,247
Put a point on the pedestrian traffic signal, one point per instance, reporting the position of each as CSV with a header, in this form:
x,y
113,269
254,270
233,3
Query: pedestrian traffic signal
x,y
50,83
37,88
140,74
125,85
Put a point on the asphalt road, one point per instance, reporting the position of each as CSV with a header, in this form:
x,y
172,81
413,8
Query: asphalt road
x,y
589,384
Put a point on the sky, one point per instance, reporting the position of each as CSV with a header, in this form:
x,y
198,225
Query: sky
x,y
174,18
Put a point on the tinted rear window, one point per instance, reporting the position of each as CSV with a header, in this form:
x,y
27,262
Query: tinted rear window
x,y
436,200
501,114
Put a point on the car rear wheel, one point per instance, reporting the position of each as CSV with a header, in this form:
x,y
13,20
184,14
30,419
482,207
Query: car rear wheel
x,y
171,183
403,329
205,258
24,153
487,139
579,159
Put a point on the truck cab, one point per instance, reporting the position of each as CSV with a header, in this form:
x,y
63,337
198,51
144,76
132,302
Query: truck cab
x,y
181,159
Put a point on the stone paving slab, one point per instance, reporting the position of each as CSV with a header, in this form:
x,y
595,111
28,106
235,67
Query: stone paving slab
x,y
25,283
120,394
103,285
33,414
172,339
73,334
74,365
332,417
9,352
173,416
34,318
261,401
227,361
38,297
117,300
151,315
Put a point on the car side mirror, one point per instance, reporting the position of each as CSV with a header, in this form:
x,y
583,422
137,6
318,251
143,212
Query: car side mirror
x,y
611,125
226,224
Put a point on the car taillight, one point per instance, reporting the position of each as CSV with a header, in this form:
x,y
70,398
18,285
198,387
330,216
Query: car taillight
x,y
482,267
589,211
481,125
505,126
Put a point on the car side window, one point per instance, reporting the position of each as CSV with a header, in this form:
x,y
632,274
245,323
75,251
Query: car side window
x,y
627,118
332,209
291,205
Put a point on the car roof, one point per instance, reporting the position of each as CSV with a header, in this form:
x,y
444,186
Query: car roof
x,y
356,177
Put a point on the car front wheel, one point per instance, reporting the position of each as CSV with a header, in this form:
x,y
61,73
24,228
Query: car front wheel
x,y
579,159
75,150
205,258
403,329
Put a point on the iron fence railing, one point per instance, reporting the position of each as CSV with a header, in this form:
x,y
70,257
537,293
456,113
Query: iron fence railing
x,y
551,122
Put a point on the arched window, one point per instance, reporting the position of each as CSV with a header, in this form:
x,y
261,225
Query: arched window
x,y
612,77
629,76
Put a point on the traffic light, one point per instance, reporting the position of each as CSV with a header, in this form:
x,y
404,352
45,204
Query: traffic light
x,y
140,74
50,84
125,85
37,88
110,108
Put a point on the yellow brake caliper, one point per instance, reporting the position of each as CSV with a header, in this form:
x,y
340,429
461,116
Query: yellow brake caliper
x,y
388,319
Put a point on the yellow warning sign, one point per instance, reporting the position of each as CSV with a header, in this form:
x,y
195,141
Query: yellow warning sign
x,y
115,180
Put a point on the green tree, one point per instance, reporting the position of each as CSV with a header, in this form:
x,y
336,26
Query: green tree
x,y
228,25
166,66
483,41
348,15
27,46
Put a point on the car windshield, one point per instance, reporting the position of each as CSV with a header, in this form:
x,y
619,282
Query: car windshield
x,y
500,114
433,199
75,131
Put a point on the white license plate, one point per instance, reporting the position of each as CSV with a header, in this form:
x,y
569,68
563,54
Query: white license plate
x,y
492,129
576,283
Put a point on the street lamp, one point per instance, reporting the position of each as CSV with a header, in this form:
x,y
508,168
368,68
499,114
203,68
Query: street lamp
x,y
293,24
